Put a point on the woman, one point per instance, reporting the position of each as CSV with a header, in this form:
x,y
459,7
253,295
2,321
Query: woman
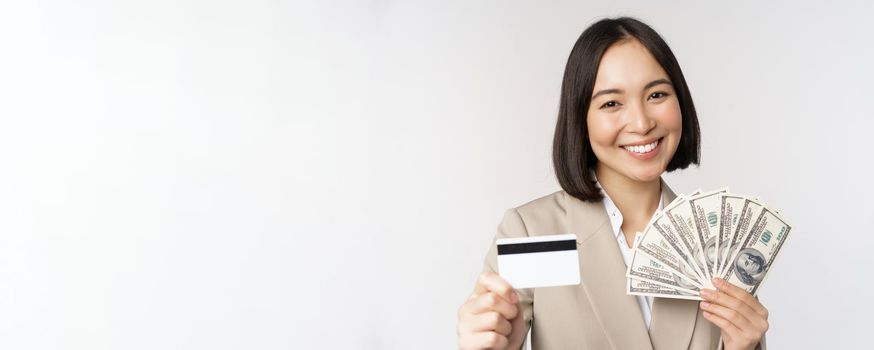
x,y
626,116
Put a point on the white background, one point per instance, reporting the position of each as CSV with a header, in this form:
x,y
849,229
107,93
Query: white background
x,y
273,175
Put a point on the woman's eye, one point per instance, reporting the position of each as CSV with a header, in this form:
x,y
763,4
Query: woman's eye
x,y
658,94
609,104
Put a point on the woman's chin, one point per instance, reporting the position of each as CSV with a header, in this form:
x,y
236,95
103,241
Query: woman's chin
x,y
647,175
637,172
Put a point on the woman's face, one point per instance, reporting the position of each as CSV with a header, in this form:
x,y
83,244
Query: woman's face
x,y
634,118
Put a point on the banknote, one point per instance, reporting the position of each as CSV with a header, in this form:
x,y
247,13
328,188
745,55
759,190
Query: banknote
x,y
646,288
751,263
705,219
748,214
678,220
663,245
647,268
730,208
705,235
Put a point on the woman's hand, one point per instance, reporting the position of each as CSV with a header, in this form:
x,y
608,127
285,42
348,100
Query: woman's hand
x,y
741,317
490,318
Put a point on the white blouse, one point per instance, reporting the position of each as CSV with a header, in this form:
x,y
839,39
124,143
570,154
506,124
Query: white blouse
x,y
616,222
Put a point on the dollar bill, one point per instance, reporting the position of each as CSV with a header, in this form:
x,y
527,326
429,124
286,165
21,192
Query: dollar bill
x,y
758,251
730,208
645,267
664,246
703,235
705,221
748,214
676,221
635,286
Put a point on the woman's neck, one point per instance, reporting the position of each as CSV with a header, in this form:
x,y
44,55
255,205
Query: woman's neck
x,y
636,200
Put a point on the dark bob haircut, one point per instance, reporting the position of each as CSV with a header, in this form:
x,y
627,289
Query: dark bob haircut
x,y
572,154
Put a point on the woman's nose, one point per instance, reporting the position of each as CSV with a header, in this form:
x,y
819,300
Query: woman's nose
x,y
639,121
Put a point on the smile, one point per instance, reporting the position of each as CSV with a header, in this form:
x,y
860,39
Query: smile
x,y
642,149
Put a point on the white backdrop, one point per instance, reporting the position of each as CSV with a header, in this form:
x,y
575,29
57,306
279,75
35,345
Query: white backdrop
x,y
275,175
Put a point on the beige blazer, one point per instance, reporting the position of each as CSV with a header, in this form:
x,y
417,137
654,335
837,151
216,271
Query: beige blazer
x,y
597,313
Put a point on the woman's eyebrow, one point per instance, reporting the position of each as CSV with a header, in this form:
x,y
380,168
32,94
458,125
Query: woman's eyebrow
x,y
619,91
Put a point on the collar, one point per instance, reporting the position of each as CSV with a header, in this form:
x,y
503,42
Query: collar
x,y
613,212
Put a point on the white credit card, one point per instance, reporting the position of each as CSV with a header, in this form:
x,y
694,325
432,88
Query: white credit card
x,y
539,261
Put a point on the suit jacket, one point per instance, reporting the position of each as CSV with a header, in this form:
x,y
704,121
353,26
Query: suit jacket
x,y
597,313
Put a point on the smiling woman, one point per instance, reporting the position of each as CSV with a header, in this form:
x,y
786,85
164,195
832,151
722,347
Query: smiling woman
x,y
618,75
625,118
636,118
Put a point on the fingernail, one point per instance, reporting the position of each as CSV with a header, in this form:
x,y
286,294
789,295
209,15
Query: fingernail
x,y
705,293
705,304
717,281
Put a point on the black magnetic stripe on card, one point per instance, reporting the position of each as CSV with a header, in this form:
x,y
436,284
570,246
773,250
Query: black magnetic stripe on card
x,y
536,247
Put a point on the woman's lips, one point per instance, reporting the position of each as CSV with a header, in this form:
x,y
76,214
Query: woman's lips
x,y
644,152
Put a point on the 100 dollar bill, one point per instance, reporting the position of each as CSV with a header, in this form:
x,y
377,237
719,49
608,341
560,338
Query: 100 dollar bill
x,y
647,268
662,244
753,260
705,220
635,286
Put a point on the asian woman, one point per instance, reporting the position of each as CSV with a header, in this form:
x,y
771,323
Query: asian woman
x,y
625,118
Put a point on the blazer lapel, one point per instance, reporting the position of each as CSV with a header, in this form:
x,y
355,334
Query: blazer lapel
x,y
668,194
673,320
602,274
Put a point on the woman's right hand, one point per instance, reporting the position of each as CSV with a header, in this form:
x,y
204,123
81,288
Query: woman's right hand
x,y
490,318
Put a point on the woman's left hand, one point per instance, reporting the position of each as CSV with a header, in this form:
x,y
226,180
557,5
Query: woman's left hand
x,y
741,317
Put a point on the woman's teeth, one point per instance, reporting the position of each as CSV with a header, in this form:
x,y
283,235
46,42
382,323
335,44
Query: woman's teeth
x,y
642,148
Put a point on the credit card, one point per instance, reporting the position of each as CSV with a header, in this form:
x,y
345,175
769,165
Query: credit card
x,y
539,261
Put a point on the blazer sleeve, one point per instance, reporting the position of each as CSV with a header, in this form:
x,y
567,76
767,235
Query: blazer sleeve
x,y
512,226
759,346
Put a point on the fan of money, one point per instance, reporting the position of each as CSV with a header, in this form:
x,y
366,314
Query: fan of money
x,y
705,235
